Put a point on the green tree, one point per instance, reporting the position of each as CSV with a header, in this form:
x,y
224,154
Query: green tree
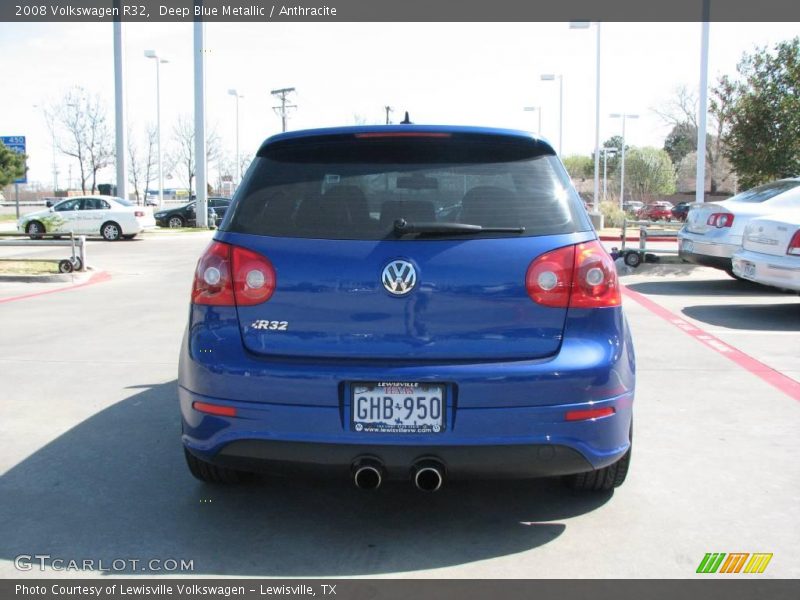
x,y
761,137
649,172
12,165
681,141
579,166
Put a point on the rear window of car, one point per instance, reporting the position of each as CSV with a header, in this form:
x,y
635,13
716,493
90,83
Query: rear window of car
x,y
348,187
766,192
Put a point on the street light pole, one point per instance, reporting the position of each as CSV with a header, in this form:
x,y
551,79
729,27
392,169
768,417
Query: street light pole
x,y
552,77
586,25
236,95
700,174
624,117
152,54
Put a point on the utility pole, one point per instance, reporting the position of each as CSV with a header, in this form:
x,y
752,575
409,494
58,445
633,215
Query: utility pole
x,y
388,110
283,109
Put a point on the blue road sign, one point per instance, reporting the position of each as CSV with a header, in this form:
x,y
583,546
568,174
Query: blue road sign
x,y
17,144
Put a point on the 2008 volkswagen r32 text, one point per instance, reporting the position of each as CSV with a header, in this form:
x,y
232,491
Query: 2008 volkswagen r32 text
x,y
407,301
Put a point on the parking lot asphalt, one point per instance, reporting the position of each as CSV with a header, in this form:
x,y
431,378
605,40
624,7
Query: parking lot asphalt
x,y
91,467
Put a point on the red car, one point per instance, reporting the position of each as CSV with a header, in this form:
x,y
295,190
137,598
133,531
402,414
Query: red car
x,y
657,211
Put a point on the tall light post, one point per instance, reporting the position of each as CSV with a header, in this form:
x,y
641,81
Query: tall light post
x,y
236,95
624,117
553,77
159,61
539,110
586,25
605,152
700,173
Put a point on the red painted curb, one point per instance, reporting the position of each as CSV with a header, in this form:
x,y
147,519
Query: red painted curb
x,y
95,278
616,238
787,385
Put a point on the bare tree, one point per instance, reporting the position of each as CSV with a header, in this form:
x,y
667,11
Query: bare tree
x,y
142,162
80,127
183,153
680,111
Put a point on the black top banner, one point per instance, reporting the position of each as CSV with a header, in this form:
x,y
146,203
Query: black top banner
x,y
233,11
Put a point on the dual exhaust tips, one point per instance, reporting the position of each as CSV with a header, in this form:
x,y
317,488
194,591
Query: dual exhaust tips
x,y
427,475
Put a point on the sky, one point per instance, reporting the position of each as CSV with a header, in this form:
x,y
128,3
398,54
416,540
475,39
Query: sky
x,y
456,73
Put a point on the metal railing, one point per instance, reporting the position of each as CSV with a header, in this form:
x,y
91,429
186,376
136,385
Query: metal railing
x,y
75,262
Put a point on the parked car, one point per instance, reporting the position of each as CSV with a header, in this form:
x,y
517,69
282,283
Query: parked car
x,y
632,207
186,216
108,216
657,211
337,324
680,210
770,252
713,230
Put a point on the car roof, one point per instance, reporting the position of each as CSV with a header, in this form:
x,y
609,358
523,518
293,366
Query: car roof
x,y
360,129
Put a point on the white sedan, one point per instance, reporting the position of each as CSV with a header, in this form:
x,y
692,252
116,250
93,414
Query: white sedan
x,y
770,253
713,230
108,216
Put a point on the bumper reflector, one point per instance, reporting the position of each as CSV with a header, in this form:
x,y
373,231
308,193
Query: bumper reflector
x,y
214,409
589,413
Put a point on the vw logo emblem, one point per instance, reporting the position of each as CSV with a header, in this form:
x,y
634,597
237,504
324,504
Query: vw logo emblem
x,y
399,277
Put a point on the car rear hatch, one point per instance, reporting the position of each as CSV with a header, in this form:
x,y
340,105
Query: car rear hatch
x,y
770,236
698,216
335,216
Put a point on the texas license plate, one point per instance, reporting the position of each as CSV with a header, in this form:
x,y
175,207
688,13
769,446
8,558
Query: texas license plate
x,y
397,407
748,269
687,245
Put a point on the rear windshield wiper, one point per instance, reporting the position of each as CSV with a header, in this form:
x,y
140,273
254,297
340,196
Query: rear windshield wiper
x,y
403,227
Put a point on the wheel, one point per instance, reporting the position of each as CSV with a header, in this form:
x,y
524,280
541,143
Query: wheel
x,y
175,222
601,480
633,259
209,473
33,228
76,263
110,231
65,266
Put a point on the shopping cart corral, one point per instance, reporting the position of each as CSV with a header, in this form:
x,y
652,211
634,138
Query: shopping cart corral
x,y
76,261
648,232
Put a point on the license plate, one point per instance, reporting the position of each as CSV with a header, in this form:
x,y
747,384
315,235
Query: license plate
x,y
397,407
748,269
687,245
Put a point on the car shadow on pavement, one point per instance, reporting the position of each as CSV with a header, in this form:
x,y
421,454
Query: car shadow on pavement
x,y
704,287
116,487
751,317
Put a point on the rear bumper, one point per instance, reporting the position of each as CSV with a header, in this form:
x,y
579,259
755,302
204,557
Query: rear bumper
x,y
698,249
460,462
488,442
777,271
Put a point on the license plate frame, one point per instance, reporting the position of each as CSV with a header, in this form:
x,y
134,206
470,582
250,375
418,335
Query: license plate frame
x,y
404,417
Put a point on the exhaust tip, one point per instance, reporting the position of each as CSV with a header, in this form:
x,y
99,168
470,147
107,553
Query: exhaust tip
x,y
367,475
429,477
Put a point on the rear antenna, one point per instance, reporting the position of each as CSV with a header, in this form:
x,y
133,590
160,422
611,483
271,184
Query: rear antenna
x,y
406,121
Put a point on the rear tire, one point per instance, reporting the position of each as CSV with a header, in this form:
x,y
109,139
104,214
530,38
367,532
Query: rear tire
x,y
176,222
205,471
633,259
601,480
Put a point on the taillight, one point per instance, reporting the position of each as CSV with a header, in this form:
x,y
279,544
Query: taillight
x,y
253,277
720,220
794,244
549,277
580,276
228,275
